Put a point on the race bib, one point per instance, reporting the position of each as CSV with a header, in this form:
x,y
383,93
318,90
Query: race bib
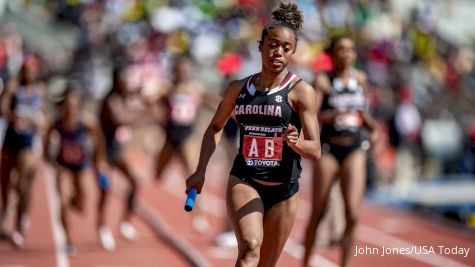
x,y
71,152
22,125
183,109
123,134
348,120
262,145
25,117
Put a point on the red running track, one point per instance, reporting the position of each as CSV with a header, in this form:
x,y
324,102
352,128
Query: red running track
x,y
166,238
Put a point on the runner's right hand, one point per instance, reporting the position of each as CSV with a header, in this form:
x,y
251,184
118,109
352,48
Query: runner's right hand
x,y
195,180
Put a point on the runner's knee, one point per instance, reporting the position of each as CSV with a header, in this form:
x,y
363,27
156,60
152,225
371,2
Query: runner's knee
x,y
251,246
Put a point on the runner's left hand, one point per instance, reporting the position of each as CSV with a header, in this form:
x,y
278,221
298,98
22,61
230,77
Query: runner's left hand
x,y
291,135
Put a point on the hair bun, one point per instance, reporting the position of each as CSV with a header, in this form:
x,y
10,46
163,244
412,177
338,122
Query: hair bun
x,y
290,14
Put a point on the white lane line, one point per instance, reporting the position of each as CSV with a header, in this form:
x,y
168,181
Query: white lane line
x,y
297,251
159,225
216,205
115,265
155,220
209,201
62,259
222,253
379,238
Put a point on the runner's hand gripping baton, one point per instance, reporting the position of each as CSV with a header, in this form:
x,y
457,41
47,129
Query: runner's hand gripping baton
x,y
190,200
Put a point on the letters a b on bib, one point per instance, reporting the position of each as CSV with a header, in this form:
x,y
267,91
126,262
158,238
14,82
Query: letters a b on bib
x,y
262,145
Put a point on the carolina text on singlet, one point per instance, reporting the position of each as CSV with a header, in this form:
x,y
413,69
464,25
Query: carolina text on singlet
x,y
267,110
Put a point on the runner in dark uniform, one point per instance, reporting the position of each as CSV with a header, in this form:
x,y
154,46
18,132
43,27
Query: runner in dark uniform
x,y
74,155
343,114
183,98
22,105
272,108
122,108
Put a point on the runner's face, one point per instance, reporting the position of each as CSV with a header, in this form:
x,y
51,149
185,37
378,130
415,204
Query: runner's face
x,y
344,53
183,69
72,103
31,73
277,49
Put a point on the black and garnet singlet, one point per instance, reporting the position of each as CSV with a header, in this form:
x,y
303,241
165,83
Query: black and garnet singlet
x,y
263,117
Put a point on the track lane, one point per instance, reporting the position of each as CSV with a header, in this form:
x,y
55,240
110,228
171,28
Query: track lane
x,y
381,227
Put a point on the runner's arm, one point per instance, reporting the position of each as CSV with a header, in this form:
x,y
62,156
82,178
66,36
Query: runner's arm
x,y
47,143
304,102
6,98
212,135
322,87
368,121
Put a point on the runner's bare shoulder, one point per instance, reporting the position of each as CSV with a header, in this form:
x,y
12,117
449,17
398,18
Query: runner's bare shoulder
x,y
233,89
322,83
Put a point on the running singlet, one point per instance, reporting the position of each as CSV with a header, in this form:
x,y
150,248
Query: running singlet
x,y
263,117
183,109
350,99
72,147
113,131
26,106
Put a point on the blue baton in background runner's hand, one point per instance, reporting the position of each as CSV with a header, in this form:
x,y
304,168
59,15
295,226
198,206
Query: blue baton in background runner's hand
x,y
190,200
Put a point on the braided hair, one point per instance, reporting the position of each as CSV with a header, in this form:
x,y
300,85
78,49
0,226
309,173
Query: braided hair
x,y
286,15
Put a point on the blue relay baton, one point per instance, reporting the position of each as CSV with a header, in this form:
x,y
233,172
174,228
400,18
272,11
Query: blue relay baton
x,y
103,181
190,200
